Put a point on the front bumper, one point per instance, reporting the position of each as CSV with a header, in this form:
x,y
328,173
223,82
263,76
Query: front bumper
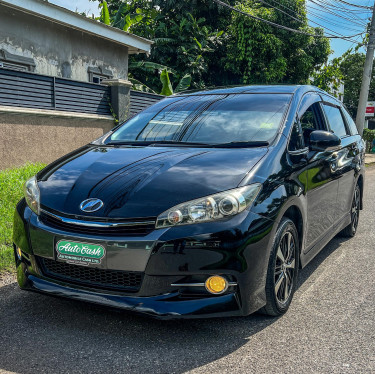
x,y
237,249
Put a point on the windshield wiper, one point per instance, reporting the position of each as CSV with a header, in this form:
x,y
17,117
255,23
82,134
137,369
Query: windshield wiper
x,y
242,144
155,143
178,143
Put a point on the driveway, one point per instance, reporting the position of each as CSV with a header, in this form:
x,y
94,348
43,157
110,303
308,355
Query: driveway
x,y
330,327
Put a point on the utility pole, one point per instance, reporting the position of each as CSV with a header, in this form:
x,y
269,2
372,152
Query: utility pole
x,y
366,77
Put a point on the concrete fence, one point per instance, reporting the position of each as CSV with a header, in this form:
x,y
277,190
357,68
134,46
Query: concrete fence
x,y
37,135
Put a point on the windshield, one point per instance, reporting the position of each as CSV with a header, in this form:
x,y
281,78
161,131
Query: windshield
x,y
206,119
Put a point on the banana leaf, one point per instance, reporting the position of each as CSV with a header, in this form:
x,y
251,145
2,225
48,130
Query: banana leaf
x,y
167,89
148,65
104,14
184,83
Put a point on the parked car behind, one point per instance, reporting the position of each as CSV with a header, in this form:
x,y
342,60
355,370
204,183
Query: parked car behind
x,y
204,204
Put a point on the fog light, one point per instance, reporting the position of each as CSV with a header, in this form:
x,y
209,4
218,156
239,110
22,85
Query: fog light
x,y
216,284
19,253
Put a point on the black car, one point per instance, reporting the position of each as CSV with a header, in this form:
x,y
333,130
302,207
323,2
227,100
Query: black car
x,y
204,204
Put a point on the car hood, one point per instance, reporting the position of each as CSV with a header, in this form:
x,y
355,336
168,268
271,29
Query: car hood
x,y
140,182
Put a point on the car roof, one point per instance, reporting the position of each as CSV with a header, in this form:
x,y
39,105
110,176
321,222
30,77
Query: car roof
x,y
297,90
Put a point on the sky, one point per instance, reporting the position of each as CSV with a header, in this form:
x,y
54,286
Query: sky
x,y
329,20
352,25
89,7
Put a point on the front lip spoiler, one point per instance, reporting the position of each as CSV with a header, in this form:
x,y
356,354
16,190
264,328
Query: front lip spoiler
x,y
162,306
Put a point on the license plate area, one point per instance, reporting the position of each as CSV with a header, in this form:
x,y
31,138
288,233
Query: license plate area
x,y
80,253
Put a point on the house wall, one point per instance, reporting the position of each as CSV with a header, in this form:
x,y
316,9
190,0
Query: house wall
x,y
35,135
57,50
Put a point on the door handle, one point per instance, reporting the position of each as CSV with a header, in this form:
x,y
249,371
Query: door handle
x,y
333,161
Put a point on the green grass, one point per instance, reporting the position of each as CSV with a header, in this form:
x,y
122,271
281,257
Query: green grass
x,y
11,183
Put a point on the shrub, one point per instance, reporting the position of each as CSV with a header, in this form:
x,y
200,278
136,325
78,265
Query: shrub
x,y
369,136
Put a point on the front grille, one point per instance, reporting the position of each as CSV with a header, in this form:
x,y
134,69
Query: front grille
x,y
140,229
92,277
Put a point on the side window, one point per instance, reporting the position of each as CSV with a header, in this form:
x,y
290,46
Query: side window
x,y
309,122
310,119
295,142
350,122
336,121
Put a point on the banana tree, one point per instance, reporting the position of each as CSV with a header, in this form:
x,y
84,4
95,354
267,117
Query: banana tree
x,y
163,71
123,17
104,13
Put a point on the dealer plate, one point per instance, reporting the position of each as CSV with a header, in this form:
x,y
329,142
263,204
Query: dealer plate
x,y
80,253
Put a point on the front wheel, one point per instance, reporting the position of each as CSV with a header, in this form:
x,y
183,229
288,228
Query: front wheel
x,y
282,269
350,230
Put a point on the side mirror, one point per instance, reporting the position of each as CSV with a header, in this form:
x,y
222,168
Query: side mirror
x,y
323,141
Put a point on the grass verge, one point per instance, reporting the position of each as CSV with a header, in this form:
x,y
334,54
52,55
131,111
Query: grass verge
x,y
11,183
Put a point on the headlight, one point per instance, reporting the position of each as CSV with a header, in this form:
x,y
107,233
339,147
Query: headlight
x,y
32,194
210,208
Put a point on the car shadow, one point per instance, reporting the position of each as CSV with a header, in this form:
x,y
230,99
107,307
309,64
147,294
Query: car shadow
x,y
316,262
58,335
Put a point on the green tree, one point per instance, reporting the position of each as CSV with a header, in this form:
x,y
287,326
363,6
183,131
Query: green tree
x,y
329,76
346,69
217,46
261,53
352,68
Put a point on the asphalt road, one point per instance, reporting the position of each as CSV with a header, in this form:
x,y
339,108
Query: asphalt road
x,y
330,327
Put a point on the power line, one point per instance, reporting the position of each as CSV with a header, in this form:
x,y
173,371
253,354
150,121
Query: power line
x,y
293,11
355,5
355,42
303,22
357,29
334,13
342,8
281,26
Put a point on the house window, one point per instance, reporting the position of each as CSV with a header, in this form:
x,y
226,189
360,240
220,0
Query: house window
x,y
16,62
96,78
97,74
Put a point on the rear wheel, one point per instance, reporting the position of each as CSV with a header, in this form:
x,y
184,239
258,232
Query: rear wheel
x,y
351,229
282,269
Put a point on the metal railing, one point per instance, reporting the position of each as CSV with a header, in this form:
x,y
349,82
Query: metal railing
x,y
141,100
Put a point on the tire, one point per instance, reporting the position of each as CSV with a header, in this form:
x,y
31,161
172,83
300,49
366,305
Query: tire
x,y
282,269
350,230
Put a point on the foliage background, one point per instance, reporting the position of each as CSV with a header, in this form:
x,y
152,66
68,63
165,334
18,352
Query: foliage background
x,y
11,191
217,46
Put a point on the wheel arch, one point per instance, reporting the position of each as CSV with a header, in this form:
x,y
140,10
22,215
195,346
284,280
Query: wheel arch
x,y
295,214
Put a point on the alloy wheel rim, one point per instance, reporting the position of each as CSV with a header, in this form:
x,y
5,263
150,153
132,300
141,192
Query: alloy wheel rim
x,y
285,267
355,210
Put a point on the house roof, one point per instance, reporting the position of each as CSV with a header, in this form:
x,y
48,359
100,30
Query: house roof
x,y
67,18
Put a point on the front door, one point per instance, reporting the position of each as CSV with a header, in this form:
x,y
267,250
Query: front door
x,y
347,157
322,183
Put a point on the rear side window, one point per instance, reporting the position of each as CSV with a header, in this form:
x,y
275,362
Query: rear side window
x,y
350,122
335,120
